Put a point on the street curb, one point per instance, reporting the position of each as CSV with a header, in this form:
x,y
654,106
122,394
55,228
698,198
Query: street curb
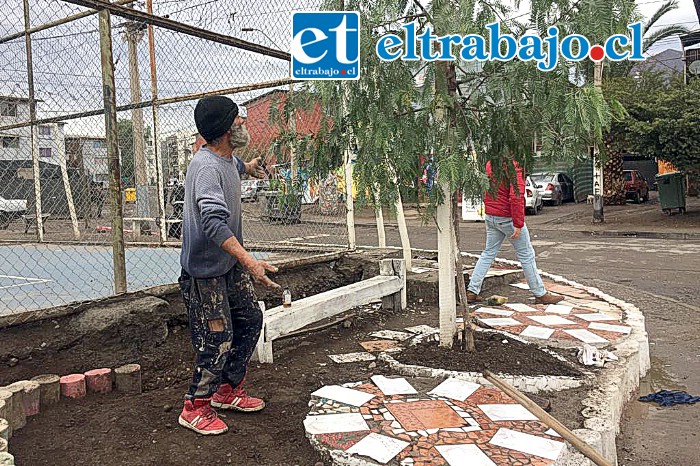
x,y
683,236
615,383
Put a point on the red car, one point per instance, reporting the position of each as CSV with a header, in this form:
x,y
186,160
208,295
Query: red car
x,y
636,186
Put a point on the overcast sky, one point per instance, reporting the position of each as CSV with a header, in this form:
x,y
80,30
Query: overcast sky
x,y
67,58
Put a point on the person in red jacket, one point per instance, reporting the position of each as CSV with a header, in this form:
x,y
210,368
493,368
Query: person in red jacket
x,y
505,218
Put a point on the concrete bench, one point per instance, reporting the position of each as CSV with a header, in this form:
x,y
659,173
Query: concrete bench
x,y
389,286
30,221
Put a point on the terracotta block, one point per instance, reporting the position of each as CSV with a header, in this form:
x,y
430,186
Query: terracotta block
x,y
99,380
73,386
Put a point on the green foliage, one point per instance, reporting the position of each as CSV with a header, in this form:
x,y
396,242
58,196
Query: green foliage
x,y
465,114
662,119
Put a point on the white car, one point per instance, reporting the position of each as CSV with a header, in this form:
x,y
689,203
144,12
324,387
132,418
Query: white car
x,y
533,197
10,209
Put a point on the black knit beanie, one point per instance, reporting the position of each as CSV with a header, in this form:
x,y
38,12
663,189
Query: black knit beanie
x,y
214,115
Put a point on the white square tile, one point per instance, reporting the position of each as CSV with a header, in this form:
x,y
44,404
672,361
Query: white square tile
x,y
551,320
398,386
507,412
379,447
533,331
610,328
519,307
496,312
391,335
395,425
558,309
367,416
586,336
527,443
344,395
334,423
422,329
464,455
471,428
351,357
388,417
432,431
398,431
552,432
422,433
500,322
522,286
455,389
594,317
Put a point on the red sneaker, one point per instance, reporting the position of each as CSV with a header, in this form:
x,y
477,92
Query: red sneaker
x,y
227,397
198,416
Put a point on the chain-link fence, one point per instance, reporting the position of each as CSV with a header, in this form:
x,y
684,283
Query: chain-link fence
x,y
71,173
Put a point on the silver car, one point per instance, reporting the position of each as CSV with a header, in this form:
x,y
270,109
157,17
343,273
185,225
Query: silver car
x,y
554,187
251,188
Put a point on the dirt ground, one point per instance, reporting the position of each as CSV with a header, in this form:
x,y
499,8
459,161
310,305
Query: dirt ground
x,y
143,429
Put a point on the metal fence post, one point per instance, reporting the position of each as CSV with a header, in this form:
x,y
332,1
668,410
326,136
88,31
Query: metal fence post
x,y
156,129
36,168
111,133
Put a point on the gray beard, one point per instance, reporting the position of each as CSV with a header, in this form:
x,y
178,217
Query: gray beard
x,y
239,137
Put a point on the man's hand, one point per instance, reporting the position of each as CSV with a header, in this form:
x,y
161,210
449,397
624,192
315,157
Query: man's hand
x,y
516,234
254,168
257,270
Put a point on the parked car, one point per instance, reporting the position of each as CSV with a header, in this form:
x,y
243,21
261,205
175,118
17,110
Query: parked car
x,y
533,198
636,186
251,188
554,187
11,209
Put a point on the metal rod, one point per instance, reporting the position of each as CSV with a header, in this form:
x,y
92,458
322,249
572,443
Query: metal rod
x,y
176,26
58,22
156,128
60,145
147,103
550,421
36,168
111,133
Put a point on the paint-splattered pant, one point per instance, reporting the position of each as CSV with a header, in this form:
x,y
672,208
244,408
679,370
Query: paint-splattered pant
x,y
225,322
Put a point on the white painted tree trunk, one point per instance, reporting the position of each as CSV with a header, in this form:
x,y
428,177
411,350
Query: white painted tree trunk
x,y
61,155
403,233
446,261
381,235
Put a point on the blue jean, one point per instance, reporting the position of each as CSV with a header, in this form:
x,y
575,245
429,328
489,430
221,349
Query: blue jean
x,y
497,230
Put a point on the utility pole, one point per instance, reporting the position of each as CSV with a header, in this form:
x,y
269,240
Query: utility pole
x,y
134,33
598,216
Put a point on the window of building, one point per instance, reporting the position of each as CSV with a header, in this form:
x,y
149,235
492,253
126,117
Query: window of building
x,y
44,152
44,130
98,144
10,142
8,109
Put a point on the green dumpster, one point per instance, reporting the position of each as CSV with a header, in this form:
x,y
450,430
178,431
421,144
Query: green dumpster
x,y
671,192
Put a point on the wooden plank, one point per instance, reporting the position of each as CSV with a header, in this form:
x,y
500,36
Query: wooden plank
x,y
447,297
282,320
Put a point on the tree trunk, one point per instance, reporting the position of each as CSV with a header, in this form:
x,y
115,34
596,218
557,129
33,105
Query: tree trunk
x,y
613,176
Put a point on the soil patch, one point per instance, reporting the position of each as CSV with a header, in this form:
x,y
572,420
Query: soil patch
x,y
492,353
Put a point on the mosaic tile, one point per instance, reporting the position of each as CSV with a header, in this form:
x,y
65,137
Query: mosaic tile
x,y
500,322
527,443
464,455
422,415
522,286
351,357
374,346
397,386
422,329
586,336
595,316
522,307
532,331
496,312
551,320
378,447
552,432
455,389
558,309
391,335
344,395
507,412
610,328
334,423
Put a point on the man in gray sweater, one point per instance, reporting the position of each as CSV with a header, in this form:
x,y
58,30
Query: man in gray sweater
x,y
225,319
